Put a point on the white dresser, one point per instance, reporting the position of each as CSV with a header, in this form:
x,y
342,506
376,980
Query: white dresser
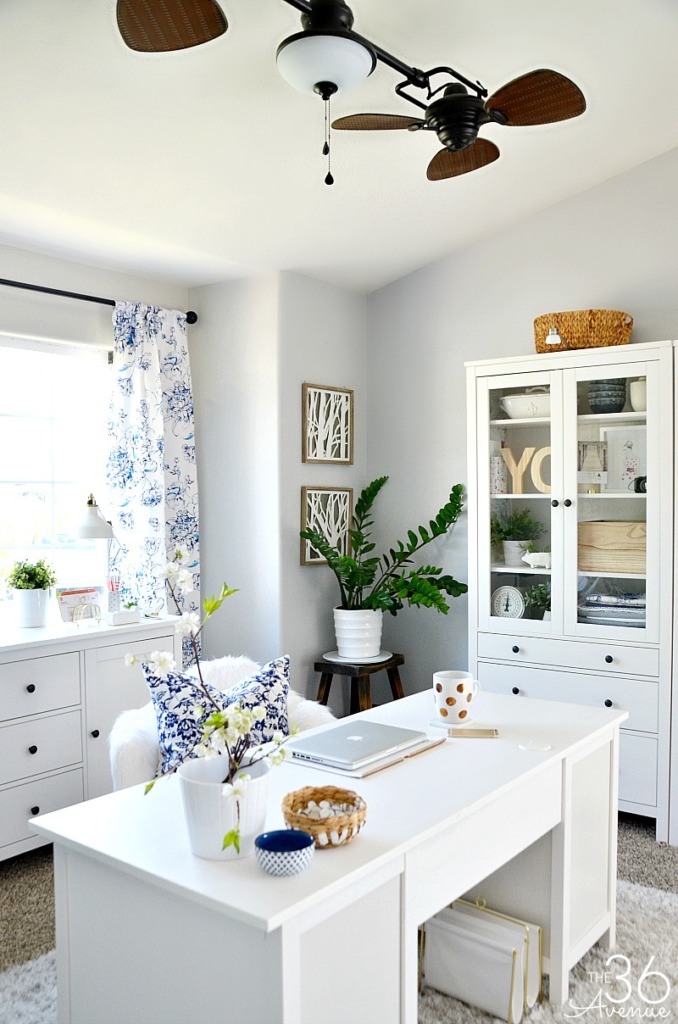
x,y
61,689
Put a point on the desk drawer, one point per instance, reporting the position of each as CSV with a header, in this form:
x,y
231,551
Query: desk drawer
x,y
469,850
40,745
20,803
570,654
637,696
39,684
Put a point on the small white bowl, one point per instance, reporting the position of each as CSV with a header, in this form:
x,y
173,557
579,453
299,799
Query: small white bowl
x,y
286,851
519,407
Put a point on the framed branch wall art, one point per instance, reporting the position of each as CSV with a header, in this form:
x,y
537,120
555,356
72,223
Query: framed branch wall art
x,y
327,424
327,510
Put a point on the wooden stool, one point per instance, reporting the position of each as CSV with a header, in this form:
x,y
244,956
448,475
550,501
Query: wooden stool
x,y
359,674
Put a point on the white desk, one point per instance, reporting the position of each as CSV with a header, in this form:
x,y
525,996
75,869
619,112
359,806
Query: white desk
x,y
148,933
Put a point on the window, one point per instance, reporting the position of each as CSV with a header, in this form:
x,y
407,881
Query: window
x,y
53,412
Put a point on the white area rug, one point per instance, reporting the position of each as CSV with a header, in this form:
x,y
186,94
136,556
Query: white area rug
x,y
646,927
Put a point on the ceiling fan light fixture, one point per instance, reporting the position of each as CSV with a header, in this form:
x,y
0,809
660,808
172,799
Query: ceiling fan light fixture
x,y
311,59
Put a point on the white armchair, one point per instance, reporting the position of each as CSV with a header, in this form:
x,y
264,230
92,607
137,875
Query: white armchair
x,y
133,741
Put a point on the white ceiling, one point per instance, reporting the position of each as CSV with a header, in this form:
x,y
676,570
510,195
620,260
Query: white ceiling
x,y
204,164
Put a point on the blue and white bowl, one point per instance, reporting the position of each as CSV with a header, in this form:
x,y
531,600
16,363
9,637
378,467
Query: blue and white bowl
x,y
285,851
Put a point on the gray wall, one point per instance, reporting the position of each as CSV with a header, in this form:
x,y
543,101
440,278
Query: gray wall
x,y
612,247
256,342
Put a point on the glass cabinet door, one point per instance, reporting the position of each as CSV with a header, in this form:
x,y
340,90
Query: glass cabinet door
x,y
516,527
610,516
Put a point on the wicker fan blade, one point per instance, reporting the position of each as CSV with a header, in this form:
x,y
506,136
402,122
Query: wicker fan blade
x,y
448,164
376,122
157,26
540,97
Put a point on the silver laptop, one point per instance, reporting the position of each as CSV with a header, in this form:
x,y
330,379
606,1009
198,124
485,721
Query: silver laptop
x,y
354,744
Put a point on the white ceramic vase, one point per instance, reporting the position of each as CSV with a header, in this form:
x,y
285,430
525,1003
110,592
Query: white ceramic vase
x,y
513,552
31,607
211,811
358,633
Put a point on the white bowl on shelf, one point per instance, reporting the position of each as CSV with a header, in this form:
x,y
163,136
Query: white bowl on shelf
x,y
523,407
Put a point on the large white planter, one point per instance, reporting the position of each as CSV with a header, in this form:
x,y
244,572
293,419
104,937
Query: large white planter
x,y
31,607
358,633
211,811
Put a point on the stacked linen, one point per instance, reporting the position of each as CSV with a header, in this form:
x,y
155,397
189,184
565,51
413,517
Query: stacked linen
x,y
613,609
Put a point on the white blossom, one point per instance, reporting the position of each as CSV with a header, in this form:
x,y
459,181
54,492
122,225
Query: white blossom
x,y
188,624
184,581
130,659
162,662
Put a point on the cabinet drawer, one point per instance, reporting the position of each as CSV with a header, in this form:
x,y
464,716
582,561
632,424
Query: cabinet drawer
x,y
40,745
638,697
638,769
39,684
20,803
570,654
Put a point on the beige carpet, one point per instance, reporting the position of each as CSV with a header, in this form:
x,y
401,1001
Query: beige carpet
x,y
27,901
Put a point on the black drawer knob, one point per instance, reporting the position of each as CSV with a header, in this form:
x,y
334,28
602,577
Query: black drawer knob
x,y
33,749
515,649
609,659
95,734
30,688
35,810
608,703
515,690
555,503
567,503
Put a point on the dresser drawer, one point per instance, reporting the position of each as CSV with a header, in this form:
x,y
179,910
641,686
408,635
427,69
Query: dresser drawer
x,y
570,654
28,800
638,697
638,770
40,745
39,684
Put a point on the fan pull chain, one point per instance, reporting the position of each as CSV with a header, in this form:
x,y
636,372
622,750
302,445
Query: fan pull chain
x,y
329,180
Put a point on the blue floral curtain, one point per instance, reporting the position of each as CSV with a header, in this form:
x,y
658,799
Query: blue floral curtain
x,y
151,472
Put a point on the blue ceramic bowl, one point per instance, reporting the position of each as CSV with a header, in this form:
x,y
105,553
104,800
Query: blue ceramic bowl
x,y
284,852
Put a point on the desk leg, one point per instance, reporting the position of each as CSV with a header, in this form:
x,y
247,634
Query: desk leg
x,y
324,687
394,680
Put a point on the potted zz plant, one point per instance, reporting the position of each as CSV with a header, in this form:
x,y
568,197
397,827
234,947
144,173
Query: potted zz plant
x,y
515,531
30,582
371,584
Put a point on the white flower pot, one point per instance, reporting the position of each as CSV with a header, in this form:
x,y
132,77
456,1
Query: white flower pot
x,y
31,607
513,552
358,633
211,811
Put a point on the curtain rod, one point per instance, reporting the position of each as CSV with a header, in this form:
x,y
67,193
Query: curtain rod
x,y
191,316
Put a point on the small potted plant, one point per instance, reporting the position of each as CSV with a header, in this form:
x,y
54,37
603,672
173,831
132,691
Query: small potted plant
x,y
31,582
371,584
538,600
514,531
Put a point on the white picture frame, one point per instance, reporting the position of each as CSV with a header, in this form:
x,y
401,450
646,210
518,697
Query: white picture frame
x,y
328,510
326,424
626,456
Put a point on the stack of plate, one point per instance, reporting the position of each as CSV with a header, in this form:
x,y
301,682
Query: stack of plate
x,y
607,395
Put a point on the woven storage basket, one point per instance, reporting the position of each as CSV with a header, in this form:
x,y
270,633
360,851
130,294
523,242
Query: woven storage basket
x,y
583,328
337,830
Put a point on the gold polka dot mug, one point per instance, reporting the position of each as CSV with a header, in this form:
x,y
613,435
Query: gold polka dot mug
x,y
453,695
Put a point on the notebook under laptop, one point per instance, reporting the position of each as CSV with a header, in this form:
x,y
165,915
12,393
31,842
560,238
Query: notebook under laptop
x,y
354,744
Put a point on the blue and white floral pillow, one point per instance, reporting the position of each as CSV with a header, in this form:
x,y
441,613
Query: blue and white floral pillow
x,y
181,708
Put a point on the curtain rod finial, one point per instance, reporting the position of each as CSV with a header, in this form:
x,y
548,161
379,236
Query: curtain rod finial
x,y
191,317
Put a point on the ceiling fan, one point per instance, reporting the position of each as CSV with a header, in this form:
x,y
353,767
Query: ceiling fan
x,y
327,57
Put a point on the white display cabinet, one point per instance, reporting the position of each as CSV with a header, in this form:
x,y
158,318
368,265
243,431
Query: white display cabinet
x,y
572,454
